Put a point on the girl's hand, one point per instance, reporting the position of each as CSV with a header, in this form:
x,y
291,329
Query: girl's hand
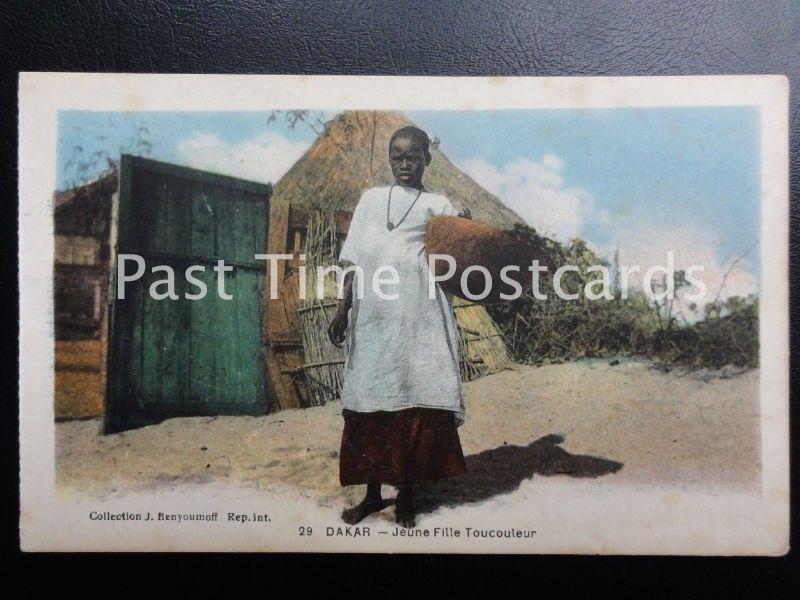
x,y
337,329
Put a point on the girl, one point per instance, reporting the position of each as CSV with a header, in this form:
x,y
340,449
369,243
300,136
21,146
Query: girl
x,y
401,396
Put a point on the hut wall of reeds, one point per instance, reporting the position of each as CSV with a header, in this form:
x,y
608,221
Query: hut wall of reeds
x,y
349,157
283,338
323,362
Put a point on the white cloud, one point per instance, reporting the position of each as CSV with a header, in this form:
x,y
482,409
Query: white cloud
x,y
648,246
265,157
535,190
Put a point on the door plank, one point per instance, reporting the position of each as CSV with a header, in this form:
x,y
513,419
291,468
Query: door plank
x,y
189,357
152,345
203,342
202,224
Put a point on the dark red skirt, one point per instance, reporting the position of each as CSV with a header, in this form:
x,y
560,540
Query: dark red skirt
x,y
396,447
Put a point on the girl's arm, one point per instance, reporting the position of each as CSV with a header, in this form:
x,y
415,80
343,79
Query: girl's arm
x,y
338,326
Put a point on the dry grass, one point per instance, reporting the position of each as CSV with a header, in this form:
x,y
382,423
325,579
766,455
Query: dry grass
x,y
560,330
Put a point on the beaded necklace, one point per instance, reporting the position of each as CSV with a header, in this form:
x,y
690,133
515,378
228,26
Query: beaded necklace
x,y
389,224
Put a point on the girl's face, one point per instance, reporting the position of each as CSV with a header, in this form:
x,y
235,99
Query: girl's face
x,y
408,161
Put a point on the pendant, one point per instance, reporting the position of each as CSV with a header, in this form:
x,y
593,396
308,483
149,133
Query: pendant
x,y
389,225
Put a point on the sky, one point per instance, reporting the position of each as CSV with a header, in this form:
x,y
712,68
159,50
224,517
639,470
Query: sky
x,y
641,181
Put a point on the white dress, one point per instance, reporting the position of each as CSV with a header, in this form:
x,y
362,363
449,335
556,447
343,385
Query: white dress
x,y
401,353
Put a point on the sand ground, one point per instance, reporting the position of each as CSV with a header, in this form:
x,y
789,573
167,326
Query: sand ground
x,y
627,424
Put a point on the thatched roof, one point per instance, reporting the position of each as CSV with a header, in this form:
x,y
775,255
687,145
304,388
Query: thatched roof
x,y
352,156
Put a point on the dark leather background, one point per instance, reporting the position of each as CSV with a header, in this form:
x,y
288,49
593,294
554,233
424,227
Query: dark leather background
x,y
435,38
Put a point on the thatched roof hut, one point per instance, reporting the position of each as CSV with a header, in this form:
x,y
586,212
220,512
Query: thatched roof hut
x,y
348,158
352,156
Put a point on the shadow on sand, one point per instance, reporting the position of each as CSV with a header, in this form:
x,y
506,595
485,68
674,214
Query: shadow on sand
x,y
501,470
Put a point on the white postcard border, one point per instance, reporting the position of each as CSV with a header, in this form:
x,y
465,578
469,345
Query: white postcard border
x,y
581,517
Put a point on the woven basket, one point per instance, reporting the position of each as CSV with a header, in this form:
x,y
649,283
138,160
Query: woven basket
x,y
473,243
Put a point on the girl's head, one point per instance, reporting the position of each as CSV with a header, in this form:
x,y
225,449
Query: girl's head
x,y
409,154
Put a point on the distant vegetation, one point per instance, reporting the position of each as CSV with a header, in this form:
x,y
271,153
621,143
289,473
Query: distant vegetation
x,y
556,330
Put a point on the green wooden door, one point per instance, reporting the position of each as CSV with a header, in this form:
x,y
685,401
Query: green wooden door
x,y
187,357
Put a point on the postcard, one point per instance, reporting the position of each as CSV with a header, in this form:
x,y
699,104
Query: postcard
x,y
404,314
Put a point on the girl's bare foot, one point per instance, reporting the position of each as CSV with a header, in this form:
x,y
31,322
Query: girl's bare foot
x,y
406,512
366,507
371,503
